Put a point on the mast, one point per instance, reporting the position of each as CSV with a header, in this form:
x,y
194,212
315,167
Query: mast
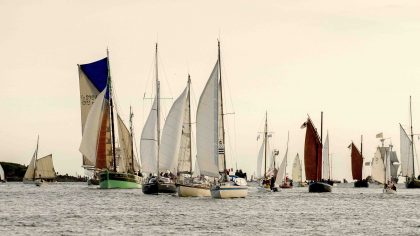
x,y
157,109
131,139
189,119
287,150
361,153
265,146
221,107
317,147
112,113
36,156
412,139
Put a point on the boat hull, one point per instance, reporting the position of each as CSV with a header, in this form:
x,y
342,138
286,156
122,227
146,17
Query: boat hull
x,y
229,191
412,183
193,191
389,191
319,187
361,183
154,188
115,180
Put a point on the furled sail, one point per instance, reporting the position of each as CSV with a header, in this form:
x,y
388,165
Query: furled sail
x,y
45,168
356,163
148,142
91,135
378,165
172,134
406,154
184,156
297,170
312,152
207,126
326,159
124,138
93,79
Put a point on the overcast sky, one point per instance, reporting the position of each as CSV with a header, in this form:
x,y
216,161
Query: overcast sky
x,y
358,61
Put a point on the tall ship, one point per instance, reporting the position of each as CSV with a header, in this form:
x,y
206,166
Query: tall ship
x,y
39,169
357,165
98,145
313,158
379,162
211,154
407,156
157,156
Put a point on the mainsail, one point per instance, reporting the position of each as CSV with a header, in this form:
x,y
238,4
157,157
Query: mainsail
x,y
126,155
356,163
326,159
297,170
149,141
40,168
312,153
208,125
406,154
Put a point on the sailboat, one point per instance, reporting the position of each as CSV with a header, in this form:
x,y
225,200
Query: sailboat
x,y
407,156
389,185
379,162
297,172
281,179
98,144
313,158
187,185
39,170
357,165
2,176
211,139
265,183
150,145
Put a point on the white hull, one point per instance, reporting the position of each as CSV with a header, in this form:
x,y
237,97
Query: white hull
x,y
229,191
193,191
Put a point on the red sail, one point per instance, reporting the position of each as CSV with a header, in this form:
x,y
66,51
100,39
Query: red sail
x,y
312,153
356,163
101,151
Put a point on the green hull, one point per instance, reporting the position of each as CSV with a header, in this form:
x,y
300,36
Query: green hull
x,y
111,180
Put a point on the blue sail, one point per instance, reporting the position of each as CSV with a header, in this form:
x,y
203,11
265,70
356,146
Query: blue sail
x,y
97,73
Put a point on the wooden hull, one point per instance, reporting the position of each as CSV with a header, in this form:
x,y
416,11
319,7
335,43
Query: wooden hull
x,y
115,180
412,183
154,188
229,191
319,187
193,191
361,183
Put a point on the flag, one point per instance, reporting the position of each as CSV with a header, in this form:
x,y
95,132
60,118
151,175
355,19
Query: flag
x,y
303,125
380,135
350,145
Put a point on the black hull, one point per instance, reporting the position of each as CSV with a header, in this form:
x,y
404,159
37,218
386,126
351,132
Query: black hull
x,y
361,184
153,188
319,187
412,183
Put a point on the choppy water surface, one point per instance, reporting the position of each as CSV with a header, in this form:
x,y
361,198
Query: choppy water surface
x,y
75,209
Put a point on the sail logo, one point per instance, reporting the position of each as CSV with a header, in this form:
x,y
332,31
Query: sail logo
x,y
87,99
221,148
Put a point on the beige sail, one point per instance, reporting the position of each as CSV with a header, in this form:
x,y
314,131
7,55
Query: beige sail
x,y
124,136
45,168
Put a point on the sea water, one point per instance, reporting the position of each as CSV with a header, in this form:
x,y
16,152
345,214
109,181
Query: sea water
x,y
76,209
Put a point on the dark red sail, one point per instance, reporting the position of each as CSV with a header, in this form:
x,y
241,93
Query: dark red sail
x,y
356,163
312,153
101,162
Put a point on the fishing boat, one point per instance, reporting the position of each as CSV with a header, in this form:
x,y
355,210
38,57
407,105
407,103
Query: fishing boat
x,y
407,156
313,158
98,144
2,176
211,139
151,148
187,185
357,165
282,180
297,172
39,170
266,182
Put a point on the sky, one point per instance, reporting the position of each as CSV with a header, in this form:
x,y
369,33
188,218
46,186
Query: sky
x,y
357,61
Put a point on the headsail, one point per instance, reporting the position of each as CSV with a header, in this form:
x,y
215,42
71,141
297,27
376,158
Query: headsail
x,y
148,142
312,152
125,162
297,170
207,126
326,159
281,173
356,163
406,154
185,154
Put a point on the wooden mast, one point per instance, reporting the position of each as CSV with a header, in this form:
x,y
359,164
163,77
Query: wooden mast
x,y
361,153
221,108
157,110
412,139
112,114
131,140
265,145
189,118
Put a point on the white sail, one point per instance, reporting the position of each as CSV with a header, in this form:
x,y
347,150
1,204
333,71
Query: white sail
x,y
148,142
171,135
124,138
395,165
297,170
45,167
207,126
2,173
325,159
387,166
406,154
378,165
281,173
88,146
29,174
184,156
260,161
